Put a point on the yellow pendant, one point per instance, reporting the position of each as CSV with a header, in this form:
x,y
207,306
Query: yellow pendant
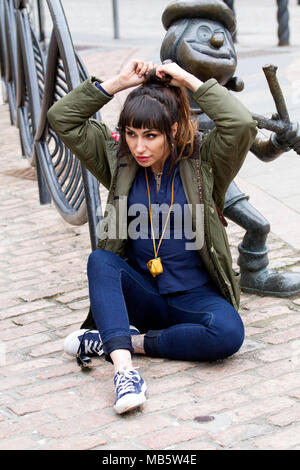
x,y
155,266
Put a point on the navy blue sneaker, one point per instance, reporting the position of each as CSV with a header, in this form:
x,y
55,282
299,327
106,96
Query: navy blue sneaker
x,y
87,342
83,342
130,390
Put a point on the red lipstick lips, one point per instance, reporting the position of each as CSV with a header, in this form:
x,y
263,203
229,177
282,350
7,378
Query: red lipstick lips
x,y
142,158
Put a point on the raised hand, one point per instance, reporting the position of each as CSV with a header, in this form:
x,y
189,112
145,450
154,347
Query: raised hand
x,y
132,74
180,77
135,72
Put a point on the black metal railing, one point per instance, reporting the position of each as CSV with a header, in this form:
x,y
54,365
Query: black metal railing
x,y
31,83
9,22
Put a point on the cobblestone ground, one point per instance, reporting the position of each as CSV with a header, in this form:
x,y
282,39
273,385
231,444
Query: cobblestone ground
x,y
47,402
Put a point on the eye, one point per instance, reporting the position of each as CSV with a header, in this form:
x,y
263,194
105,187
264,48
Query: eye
x,y
129,133
151,136
204,33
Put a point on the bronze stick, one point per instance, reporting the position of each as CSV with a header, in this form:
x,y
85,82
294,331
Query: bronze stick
x,y
270,73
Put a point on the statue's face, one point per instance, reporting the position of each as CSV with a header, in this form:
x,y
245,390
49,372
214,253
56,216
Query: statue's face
x,y
206,50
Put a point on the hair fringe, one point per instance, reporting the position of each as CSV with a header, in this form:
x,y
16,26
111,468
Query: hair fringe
x,y
187,124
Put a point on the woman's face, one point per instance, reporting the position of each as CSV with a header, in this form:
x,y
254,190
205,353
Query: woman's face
x,y
148,146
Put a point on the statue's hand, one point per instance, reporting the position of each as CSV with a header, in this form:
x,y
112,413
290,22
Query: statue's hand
x,y
289,139
235,84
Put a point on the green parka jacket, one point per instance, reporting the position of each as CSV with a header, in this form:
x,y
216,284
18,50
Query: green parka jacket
x,y
222,153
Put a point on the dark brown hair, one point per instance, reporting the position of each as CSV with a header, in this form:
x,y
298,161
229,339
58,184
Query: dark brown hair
x,y
158,105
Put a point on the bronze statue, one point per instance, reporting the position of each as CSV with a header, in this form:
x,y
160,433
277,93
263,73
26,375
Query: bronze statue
x,y
199,38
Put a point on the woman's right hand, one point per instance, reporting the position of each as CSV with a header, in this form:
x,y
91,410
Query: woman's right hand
x,y
132,74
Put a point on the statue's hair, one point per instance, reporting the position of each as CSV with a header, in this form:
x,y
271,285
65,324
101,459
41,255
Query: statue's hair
x,y
158,105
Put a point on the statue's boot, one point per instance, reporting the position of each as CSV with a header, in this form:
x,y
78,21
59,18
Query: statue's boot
x,y
256,278
253,259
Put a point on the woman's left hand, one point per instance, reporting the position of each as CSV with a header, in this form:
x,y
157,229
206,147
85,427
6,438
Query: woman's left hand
x,y
134,73
180,77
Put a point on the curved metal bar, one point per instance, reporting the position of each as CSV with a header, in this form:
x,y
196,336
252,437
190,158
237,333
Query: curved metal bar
x,y
71,215
65,71
28,94
62,167
73,169
11,58
81,198
29,91
64,41
49,88
39,59
58,95
75,179
71,178
78,194
31,75
23,96
3,48
33,87
59,147
75,196
61,86
76,216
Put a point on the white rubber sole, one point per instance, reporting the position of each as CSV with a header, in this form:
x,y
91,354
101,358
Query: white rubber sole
x,y
131,401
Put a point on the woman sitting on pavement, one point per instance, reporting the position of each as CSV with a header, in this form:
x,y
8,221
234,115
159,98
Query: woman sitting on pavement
x,y
173,279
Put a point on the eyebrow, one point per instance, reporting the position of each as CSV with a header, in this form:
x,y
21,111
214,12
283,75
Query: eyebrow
x,y
144,132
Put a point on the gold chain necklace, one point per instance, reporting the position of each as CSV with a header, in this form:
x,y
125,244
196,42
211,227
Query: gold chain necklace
x,y
155,265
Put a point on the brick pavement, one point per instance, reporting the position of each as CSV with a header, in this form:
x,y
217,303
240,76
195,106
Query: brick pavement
x,y
46,402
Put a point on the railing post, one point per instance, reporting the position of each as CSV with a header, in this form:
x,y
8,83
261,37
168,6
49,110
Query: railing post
x,y
41,18
229,3
116,19
3,48
283,23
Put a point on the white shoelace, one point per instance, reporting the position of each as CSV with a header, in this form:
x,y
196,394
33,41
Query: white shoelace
x,y
91,346
125,379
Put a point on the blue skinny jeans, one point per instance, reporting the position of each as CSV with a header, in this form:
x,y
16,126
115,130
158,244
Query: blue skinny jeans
x,y
194,325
